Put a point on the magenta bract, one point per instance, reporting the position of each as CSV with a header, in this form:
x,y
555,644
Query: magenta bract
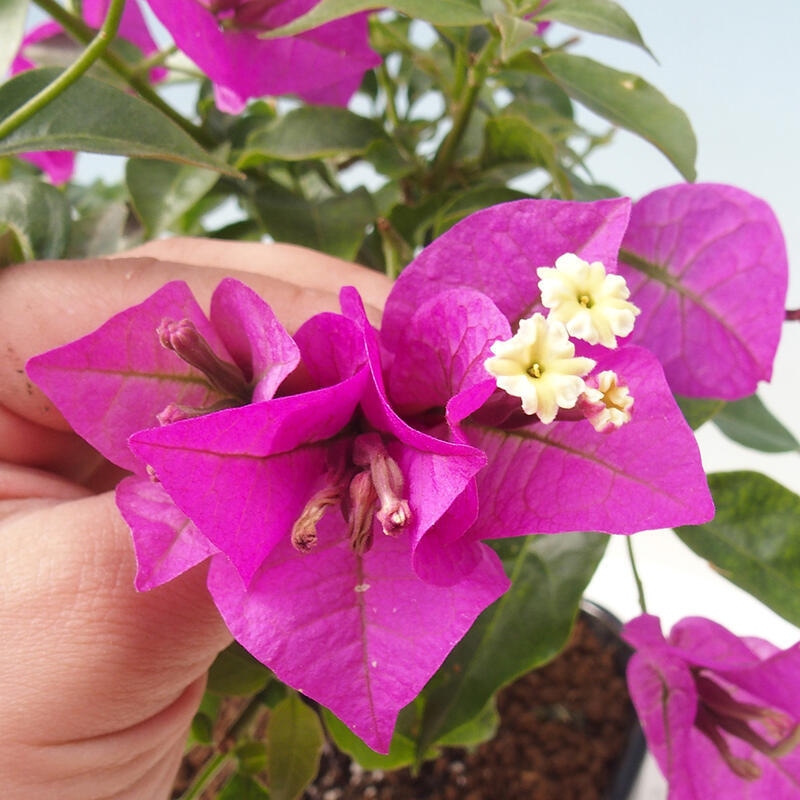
x,y
540,478
130,379
324,65
707,265
720,713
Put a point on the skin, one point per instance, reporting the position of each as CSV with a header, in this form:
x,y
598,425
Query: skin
x,y
98,683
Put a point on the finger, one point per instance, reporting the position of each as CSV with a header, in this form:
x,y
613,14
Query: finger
x,y
298,265
91,669
55,302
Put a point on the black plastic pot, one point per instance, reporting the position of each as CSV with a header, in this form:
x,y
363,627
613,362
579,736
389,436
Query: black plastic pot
x,y
607,627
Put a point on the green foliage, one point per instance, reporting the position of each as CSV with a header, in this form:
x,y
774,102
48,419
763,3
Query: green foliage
x,y
698,411
243,787
630,102
525,628
754,539
750,423
443,12
161,193
34,221
12,24
596,16
236,672
95,117
293,747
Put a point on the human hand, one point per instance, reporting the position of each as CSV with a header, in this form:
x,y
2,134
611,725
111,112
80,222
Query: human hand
x,y
98,683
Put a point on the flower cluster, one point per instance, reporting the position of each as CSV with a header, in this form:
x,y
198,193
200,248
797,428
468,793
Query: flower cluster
x,y
345,525
719,712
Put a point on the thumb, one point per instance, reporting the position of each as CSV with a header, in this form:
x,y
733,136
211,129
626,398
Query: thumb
x,y
98,682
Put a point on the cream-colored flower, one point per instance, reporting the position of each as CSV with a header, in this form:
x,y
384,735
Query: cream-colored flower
x,y
609,404
592,304
539,366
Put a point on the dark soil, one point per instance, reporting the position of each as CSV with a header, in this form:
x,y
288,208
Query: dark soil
x,y
562,732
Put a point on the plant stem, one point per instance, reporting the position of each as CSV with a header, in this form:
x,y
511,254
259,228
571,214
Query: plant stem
x,y
462,112
637,579
211,768
133,76
71,74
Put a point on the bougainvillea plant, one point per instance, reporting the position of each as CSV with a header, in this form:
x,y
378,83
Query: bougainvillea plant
x,y
543,360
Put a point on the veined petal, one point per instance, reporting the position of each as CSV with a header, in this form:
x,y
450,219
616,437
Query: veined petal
x,y
367,620
244,475
166,541
130,377
498,250
707,265
567,476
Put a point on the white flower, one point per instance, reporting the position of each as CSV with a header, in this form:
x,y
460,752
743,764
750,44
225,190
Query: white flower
x,y
591,303
538,365
609,404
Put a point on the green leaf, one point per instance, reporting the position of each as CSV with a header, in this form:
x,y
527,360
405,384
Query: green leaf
x,y
236,672
525,628
96,117
252,757
749,422
12,24
312,132
441,12
336,225
243,787
204,721
697,411
754,539
596,16
630,102
511,138
295,739
479,729
34,221
516,35
161,192
402,751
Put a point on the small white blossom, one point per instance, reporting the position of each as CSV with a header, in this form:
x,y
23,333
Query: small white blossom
x,y
539,366
609,404
590,302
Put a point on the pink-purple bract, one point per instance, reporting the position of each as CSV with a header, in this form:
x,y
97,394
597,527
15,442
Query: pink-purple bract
x,y
131,379
351,603
707,265
562,476
344,525
324,65
721,714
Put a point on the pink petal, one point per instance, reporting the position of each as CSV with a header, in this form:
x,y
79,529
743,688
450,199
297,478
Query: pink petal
x,y
259,344
566,476
131,377
498,250
166,541
368,621
245,474
442,348
713,309
325,65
